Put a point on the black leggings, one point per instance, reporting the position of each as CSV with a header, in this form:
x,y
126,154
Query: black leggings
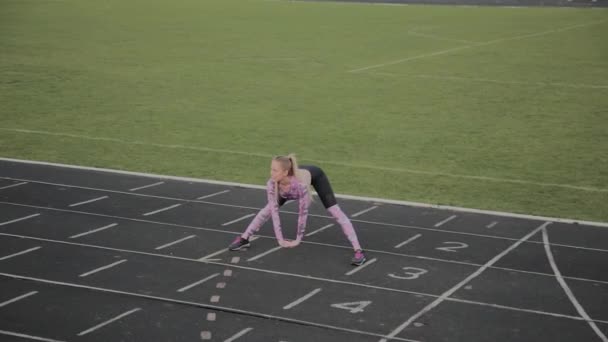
x,y
321,184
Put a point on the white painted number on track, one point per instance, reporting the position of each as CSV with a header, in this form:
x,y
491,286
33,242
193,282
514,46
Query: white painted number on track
x,y
352,307
410,273
457,245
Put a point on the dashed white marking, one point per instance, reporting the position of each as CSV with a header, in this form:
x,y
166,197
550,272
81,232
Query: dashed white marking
x,y
492,225
214,194
239,334
211,316
94,231
408,241
438,224
264,254
228,273
89,201
220,285
363,211
235,260
579,308
102,268
19,219
175,242
12,185
19,253
161,210
464,282
30,337
108,322
206,335
359,268
237,220
320,229
188,287
146,186
18,298
301,299
214,299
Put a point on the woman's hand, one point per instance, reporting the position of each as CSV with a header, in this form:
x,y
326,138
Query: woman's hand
x,y
289,244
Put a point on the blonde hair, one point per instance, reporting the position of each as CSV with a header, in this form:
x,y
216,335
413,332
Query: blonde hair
x,y
290,163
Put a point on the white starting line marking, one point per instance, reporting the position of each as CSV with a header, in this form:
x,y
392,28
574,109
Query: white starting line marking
x,y
264,254
175,242
13,185
491,225
239,334
108,322
320,229
408,240
20,253
364,211
359,268
19,219
102,268
301,299
445,221
89,201
94,231
146,186
35,338
187,287
237,220
18,298
213,194
163,209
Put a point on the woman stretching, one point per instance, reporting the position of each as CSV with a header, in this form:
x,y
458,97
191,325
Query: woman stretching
x,y
288,182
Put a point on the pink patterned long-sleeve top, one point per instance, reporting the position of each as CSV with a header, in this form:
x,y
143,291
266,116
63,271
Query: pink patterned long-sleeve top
x,y
297,191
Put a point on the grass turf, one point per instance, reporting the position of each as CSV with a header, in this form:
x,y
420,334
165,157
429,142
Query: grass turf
x,y
513,117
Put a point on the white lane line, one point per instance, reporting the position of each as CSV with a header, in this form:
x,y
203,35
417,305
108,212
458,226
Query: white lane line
x,y
359,268
30,337
20,253
102,268
439,224
364,211
19,219
12,185
214,299
222,251
175,242
264,254
239,334
491,225
188,287
108,322
18,298
432,36
579,308
463,47
456,287
237,220
146,186
213,194
408,241
89,201
163,209
94,231
301,299
320,229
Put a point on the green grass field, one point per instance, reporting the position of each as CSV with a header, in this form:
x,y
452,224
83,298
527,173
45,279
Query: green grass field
x,y
482,107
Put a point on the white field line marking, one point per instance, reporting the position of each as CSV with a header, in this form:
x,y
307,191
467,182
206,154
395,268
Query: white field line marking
x,y
175,242
239,334
188,287
213,194
102,268
237,220
579,308
12,185
108,322
29,337
491,225
490,42
19,219
364,211
201,305
147,186
301,299
264,254
456,287
319,230
303,276
408,241
445,221
163,209
19,253
329,162
359,268
432,36
94,231
487,80
89,201
18,298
